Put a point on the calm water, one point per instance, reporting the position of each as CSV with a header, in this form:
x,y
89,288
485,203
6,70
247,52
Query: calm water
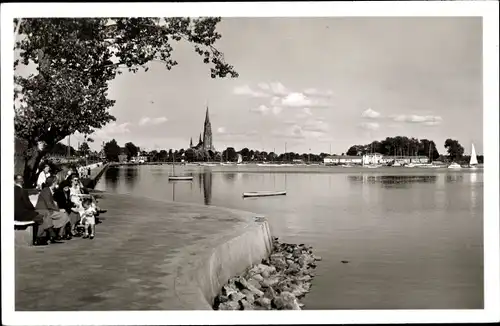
x,y
413,238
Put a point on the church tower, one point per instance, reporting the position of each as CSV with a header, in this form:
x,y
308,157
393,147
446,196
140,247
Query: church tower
x,y
207,134
191,143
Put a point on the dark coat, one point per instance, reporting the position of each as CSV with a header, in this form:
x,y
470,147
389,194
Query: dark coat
x,y
23,208
46,201
63,200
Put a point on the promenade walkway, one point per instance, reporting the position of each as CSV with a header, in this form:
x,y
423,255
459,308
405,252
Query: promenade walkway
x,y
143,258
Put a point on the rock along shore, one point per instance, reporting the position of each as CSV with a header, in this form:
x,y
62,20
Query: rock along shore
x,y
275,284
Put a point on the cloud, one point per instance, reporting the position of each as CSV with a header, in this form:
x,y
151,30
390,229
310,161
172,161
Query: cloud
x,y
429,120
298,100
309,130
223,132
370,114
315,125
370,125
274,88
152,121
263,109
317,93
281,97
246,90
112,129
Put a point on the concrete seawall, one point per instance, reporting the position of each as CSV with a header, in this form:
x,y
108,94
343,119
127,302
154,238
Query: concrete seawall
x,y
232,254
147,255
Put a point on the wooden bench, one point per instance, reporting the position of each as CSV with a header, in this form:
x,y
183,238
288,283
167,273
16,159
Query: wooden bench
x,y
25,232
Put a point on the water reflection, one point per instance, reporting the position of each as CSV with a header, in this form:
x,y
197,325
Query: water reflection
x,y
131,175
454,178
207,187
474,191
229,176
112,177
392,181
473,177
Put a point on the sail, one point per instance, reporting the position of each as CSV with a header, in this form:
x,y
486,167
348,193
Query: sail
x,y
473,156
240,159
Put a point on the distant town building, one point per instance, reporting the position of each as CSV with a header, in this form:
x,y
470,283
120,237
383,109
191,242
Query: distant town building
x,y
122,157
343,159
205,144
374,158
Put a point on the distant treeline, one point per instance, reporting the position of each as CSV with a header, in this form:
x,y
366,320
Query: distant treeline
x,y
404,146
392,146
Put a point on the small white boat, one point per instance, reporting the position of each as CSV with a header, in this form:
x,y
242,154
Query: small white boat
x,y
180,178
264,193
268,164
410,165
396,164
473,159
454,166
346,165
370,166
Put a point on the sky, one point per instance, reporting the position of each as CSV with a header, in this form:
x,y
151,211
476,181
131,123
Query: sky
x,y
314,84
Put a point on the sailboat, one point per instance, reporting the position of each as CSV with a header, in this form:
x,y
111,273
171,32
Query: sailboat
x,y
178,177
473,158
240,160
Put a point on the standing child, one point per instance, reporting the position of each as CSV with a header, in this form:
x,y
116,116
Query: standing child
x,y
87,215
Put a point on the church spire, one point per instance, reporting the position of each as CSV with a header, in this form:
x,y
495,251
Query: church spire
x,y
207,118
191,143
200,138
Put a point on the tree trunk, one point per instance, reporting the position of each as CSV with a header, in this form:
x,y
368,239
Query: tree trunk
x,y
32,161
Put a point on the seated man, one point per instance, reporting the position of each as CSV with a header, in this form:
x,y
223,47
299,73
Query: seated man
x,y
48,207
24,211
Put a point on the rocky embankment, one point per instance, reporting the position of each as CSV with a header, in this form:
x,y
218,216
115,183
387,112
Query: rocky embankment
x,y
275,284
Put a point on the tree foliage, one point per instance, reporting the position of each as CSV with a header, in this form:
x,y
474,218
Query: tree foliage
x,y
454,149
112,150
76,59
229,155
131,150
84,149
397,146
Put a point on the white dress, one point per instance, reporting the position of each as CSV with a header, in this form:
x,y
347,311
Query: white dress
x,y
42,177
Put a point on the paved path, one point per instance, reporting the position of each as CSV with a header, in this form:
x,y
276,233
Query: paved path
x,y
141,251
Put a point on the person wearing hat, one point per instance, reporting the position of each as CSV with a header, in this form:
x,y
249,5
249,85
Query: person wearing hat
x,y
62,197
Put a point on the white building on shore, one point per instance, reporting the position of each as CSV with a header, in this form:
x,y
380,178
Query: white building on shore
x,y
375,158
372,159
343,159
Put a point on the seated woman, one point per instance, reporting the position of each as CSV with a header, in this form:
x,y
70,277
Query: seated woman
x,y
63,199
77,193
48,207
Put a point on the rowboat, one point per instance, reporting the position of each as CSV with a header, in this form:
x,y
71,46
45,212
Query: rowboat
x,y
454,166
264,193
180,178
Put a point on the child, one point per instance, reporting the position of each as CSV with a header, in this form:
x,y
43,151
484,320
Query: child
x,y
87,215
